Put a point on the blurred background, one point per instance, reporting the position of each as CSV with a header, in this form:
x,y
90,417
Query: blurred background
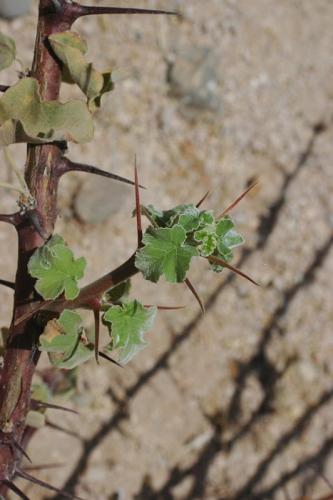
x,y
237,404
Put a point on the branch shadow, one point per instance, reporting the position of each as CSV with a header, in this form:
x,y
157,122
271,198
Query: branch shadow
x,y
258,364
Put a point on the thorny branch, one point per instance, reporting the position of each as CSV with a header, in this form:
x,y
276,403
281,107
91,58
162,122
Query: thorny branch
x,y
44,166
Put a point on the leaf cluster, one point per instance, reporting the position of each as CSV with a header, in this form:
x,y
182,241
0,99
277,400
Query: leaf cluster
x,y
64,339
177,235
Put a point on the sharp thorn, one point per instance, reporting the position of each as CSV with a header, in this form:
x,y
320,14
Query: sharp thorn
x,y
196,295
8,284
13,219
35,404
21,450
137,206
92,10
15,489
42,467
69,166
108,358
222,262
200,202
237,200
96,320
26,316
34,480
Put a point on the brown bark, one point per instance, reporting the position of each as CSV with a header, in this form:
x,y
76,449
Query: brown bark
x,y
21,356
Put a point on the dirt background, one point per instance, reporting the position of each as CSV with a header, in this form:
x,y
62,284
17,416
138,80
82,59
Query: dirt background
x,y
236,404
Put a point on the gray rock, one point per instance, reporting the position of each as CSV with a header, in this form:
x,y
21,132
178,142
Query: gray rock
x,y
193,78
99,198
14,8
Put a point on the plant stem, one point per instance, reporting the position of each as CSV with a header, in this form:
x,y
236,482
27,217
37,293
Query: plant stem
x,y
21,356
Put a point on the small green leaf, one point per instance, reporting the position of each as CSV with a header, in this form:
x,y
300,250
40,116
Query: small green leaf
x,y
155,213
233,239
189,222
70,322
70,49
208,245
62,340
165,252
157,217
129,322
206,217
223,251
7,51
56,270
189,214
24,117
224,226
207,239
39,392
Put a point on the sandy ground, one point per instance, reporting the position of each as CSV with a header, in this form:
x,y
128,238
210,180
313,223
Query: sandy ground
x,y
236,404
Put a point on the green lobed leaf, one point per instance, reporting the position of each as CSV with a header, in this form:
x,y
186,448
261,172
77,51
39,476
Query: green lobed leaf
x,y
233,239
62,340
7,51
208,245
228,238
187,216
224,225
165,252
128,323
56,270
190,222
206,217
24,117
155,214
70,48
207,238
